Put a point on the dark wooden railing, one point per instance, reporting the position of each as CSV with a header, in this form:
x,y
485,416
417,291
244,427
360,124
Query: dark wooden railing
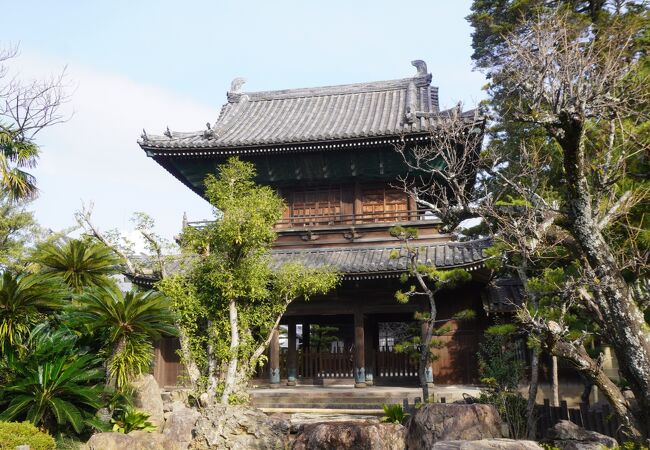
x,y
392,364
326,365
355,219
598,418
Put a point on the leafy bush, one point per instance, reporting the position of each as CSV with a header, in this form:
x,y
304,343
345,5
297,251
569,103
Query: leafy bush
x,y
13,434
501,371
394,414
130,419
56,385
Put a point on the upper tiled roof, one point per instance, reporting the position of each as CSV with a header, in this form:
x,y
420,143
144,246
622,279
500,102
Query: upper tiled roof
x,y
351,111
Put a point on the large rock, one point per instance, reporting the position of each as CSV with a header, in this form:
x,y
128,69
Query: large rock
x,y
487,444
566,435
148,399
135,440
351,435
452,422
238,428
179,425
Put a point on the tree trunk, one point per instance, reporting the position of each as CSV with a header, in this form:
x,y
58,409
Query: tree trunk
x,y
425,353
117,348
531,420
193,372
555,387
625,328
231,373
579,357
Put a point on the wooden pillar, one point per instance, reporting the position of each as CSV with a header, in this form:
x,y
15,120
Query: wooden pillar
x,y
429,370
359,351
305,337
274,360
292,368
369,337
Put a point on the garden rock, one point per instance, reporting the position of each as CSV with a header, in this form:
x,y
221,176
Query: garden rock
x,y
109,441
487,444
148,398
435,422
351,435
238,428
179,425
566,435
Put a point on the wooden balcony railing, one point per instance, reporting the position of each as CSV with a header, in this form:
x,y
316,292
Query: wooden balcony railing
x,y
356,219
325,220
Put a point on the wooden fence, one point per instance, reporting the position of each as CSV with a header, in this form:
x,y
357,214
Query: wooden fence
x,y
599,418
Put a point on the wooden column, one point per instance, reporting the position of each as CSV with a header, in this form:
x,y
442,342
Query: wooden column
x,y
274,360
359,351
292,368
369,337
305,337
429,370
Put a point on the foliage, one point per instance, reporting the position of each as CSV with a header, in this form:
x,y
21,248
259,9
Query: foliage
x,y
230,280
428,281
18,227
25,109
499,367
501,372
13,434
394,414
321,336
24,301
130,419
125,324
55,385
80,263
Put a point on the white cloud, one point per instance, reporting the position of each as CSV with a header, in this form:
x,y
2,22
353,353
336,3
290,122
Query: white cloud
x,y
94,156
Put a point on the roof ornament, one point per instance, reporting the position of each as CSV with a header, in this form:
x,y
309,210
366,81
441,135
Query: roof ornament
x,y
210,132
421,66
168,133
411,103
144,136
236,84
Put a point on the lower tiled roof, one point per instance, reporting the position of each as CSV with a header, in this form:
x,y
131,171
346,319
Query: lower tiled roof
x,y
367,261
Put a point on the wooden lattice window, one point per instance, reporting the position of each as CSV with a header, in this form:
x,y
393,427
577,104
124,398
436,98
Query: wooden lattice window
x,y
384,205
316,206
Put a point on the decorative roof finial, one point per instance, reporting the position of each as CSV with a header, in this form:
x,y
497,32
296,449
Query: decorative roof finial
x,y
144,136
236,84
421,66
168,133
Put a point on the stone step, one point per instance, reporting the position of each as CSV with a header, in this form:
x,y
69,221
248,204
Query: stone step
x,y
326,411
323,406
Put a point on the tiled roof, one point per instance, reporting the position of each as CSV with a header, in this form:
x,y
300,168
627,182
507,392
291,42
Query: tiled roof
x,y
351,111
356,261
368,262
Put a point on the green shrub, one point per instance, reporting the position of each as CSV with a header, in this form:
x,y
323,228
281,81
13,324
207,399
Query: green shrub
x,y
130,419
13,434
394,414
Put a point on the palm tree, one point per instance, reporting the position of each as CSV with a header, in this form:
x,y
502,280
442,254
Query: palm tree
x,y
17,154
81,263
24,299
127,324
55,385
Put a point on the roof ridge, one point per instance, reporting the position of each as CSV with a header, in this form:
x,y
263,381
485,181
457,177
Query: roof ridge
x,y
339,89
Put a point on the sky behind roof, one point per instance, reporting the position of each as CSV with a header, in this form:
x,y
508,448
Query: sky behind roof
x,y
152,64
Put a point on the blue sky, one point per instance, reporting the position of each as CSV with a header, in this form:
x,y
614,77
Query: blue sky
x,y
152,64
